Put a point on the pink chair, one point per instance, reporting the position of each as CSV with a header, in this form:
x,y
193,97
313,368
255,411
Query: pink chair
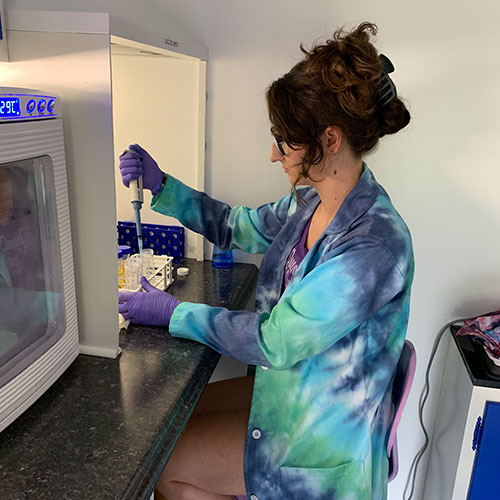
x,y
401,386
405,371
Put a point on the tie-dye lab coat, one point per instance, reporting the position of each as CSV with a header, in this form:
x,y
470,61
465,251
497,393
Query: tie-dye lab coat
x,y
325,349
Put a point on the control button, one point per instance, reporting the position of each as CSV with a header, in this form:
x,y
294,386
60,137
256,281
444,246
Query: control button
x,y
30,106
51,105
256,434
41,105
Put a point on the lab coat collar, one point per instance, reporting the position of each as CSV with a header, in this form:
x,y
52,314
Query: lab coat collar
x,y
356,203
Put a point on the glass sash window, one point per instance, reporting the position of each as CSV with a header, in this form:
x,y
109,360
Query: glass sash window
x,y
31,298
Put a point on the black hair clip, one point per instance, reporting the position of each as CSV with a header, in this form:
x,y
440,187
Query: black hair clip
x,y
387,87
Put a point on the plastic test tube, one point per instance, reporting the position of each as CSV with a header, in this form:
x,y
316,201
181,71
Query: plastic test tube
x,y
133,272
148,262
121,270
124,252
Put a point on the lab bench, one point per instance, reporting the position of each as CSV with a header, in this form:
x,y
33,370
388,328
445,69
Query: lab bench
x,y
107,427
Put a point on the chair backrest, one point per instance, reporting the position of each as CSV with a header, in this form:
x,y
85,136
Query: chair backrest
x,y
401,386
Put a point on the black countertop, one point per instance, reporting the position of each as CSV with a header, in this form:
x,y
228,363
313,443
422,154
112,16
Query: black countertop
x,y
106,428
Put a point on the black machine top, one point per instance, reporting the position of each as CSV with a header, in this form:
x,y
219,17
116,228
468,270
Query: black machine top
x,y
482,371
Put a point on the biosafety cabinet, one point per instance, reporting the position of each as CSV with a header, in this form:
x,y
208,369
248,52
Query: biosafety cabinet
x,y
124,74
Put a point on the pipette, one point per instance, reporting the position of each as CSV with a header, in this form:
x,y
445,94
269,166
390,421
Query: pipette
x,y
137,199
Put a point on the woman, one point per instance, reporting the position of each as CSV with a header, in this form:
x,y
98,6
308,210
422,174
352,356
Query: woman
x,y
332,301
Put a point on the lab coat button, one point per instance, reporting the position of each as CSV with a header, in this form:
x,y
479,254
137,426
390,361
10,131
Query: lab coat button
x,y
265,367
256,434
253,497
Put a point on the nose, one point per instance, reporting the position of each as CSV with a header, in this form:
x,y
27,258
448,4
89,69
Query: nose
x,y
275,154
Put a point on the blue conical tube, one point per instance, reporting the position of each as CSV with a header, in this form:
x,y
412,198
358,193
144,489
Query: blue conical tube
x,y
222,259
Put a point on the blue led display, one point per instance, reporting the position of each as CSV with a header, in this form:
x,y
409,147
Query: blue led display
x,y
9,106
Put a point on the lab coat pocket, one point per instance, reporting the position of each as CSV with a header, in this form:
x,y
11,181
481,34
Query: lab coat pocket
x,y
344,482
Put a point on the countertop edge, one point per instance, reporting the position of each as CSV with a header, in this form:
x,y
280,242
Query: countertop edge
x,y
142,483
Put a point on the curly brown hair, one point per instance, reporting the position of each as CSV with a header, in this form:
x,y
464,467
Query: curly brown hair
x,y
337,83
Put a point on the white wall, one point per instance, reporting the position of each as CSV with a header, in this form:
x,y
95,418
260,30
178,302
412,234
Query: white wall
x,y
442,172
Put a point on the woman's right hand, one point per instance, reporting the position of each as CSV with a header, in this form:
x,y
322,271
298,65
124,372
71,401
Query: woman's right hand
x,y
136,162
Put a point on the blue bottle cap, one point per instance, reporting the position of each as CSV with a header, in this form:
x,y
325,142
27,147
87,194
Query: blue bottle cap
x,y
126,250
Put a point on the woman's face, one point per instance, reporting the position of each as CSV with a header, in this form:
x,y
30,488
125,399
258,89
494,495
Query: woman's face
x,y
291,161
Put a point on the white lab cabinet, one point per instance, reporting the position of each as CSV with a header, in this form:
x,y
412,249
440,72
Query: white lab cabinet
x,y
465,451
124,74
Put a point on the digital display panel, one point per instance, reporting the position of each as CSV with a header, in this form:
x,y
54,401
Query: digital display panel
x,y
9,106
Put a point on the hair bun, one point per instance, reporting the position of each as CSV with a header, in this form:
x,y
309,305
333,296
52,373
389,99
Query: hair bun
x,y
349,67
393,117
339,82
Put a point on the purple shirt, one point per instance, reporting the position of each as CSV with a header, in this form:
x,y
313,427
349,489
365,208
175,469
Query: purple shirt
x,y
296,256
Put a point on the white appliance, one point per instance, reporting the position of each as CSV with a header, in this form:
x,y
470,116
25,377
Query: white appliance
x,y
125,75
4,52
38,320
465,448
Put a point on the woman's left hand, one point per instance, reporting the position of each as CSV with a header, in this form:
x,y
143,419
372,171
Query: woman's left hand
x,y
151,307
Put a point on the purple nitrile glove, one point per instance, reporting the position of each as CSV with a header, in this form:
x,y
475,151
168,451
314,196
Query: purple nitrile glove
x,y
151,307
137,162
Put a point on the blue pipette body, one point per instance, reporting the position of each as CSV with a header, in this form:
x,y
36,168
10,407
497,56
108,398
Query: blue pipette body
x,y
137,198
137,209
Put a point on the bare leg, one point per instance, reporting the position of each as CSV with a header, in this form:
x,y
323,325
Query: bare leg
x,y
207,462
226,396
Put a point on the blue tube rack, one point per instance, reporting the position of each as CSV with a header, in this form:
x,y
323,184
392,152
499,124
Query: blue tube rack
x,y
164,240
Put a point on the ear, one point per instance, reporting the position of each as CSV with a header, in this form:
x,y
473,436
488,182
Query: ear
x,y
333,138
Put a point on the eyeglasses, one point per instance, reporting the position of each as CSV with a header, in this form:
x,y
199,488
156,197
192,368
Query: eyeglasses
x,y
279,143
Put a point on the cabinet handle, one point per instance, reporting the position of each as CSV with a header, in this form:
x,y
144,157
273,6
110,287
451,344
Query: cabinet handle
x,y
477,434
